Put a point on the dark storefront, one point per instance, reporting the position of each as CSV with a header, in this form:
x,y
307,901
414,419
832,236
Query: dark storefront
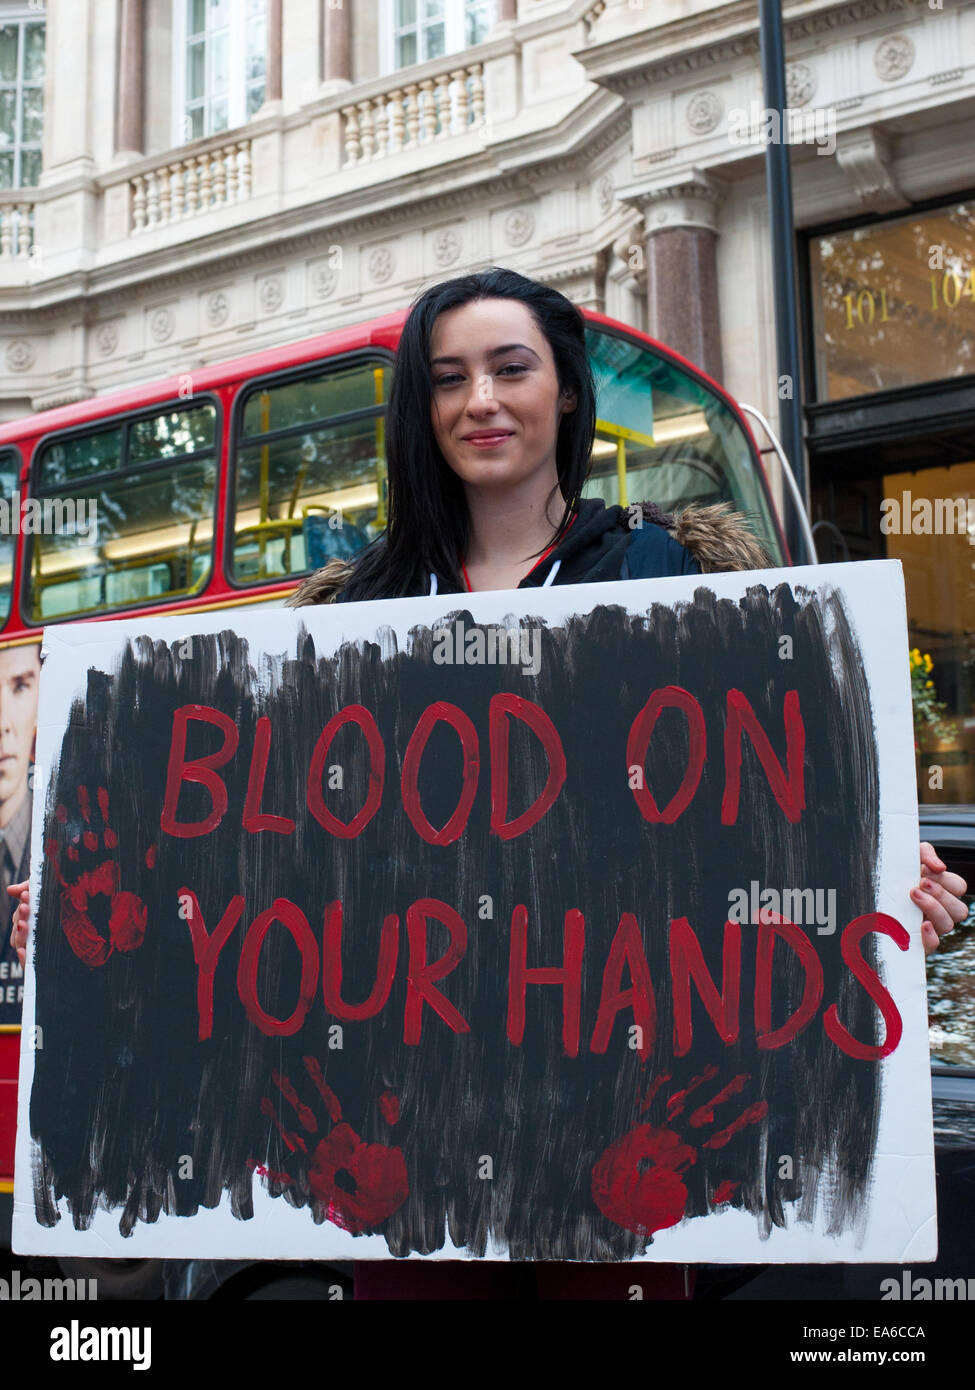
x,y
890,337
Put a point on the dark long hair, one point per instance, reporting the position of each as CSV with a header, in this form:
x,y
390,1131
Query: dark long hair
x,y
429,524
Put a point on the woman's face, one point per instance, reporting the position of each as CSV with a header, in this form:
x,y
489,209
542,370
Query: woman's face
x,y
496,405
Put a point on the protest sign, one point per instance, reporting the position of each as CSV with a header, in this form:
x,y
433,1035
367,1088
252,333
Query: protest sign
x,y
566,923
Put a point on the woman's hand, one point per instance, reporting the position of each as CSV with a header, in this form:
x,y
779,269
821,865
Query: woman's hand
x,y
18,928
938,898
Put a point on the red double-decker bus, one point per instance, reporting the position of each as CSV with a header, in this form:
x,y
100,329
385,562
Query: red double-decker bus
x,y
225,486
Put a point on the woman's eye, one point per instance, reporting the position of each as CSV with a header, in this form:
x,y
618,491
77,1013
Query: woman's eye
x,y
446,380
514,367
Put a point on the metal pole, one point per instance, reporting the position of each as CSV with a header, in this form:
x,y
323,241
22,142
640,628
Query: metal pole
x,y
778,181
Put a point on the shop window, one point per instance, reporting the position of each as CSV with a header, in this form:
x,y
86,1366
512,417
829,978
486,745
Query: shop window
x,y
893,302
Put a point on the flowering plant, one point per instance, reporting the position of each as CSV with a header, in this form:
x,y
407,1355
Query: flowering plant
x,y
929,711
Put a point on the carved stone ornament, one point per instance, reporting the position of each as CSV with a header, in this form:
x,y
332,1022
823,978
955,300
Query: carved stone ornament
x,y
218,309
380,264
519,225
604,194
106,338
20,356
271,295
894,57
161,324
323,281
800,84
446,246
704,112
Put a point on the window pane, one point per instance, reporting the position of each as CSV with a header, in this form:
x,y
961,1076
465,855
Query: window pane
x,y
405,13
477,24
219,64
434,41
196,20
9,473
883,317
433,9
6,171
218,117
168,436
195,118
32,125
315,398
680,443
939,577
195,71
256,48
34,52
309,497
30,168
154,535
406,50
8,99
256,8
219,14
8,52
255,98
67,459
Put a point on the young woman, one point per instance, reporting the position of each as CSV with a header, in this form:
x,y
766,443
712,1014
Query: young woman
x,y
489,430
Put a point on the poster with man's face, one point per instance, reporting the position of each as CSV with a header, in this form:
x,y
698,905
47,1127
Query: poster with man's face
x,y
20,669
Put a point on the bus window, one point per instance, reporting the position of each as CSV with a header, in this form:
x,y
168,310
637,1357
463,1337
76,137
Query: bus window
x,y
9,473
662,436
310,471
134,506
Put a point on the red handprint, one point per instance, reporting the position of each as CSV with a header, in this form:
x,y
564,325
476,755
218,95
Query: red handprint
x,y
358,1185
126,912
637,1182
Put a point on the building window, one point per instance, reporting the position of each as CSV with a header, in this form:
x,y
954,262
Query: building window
x,y
21,97
424,29
221,67
893,302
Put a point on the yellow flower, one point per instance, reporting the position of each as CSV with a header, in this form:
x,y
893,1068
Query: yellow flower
x,y
928,663
929,685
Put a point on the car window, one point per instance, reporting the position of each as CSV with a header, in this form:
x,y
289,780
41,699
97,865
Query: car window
x,y
951,980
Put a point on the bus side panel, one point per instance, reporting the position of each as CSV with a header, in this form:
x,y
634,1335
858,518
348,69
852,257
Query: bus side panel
x,y
9,1061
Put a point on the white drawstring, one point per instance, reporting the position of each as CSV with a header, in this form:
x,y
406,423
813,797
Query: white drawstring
x,y
544,585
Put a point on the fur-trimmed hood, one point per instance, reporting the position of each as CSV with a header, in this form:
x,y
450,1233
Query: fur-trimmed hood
x,y
717,536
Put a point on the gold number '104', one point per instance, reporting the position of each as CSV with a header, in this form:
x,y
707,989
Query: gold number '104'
x,y
862,308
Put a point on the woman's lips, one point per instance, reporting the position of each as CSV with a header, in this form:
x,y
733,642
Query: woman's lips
x,y
488,441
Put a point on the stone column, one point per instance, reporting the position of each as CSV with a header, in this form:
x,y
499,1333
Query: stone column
x,y
337,57
507,11
680,222
130,128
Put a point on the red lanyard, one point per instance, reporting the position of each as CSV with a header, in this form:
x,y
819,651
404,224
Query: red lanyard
x,y
463,567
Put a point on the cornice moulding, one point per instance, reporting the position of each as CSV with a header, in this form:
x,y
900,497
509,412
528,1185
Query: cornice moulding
x,y
702,40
